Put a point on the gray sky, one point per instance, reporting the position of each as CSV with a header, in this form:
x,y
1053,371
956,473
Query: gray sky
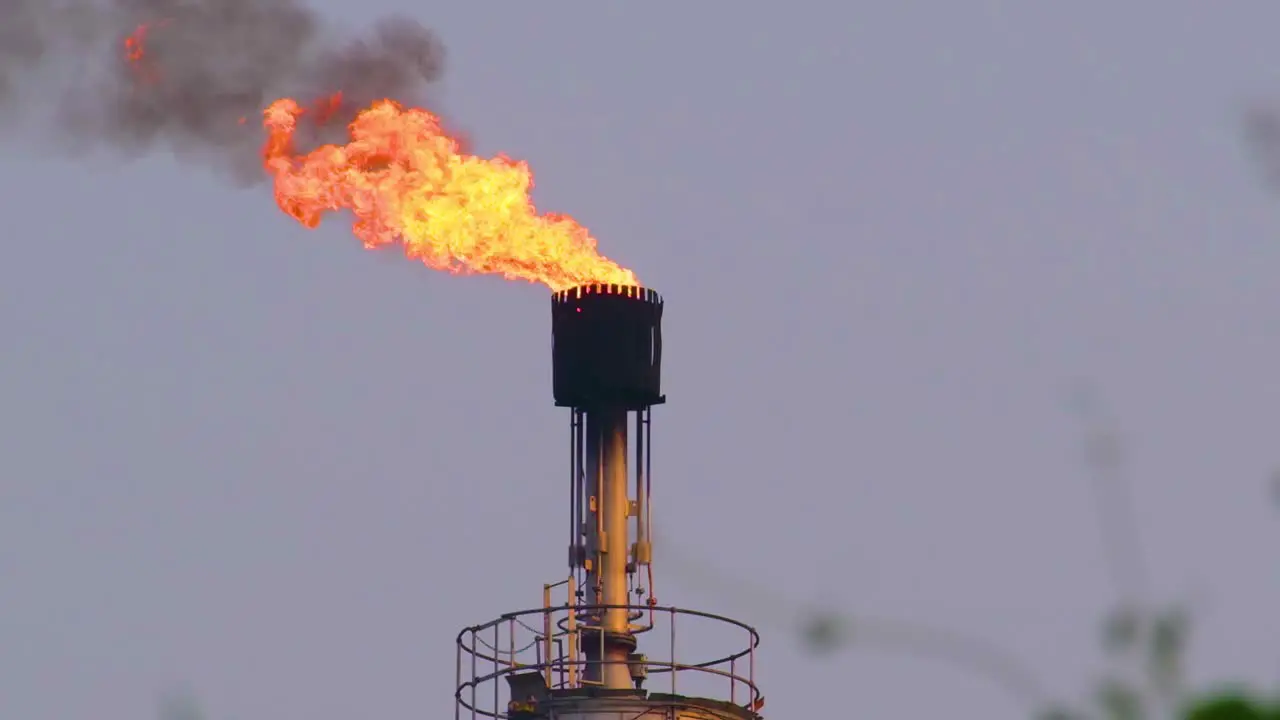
x,y
283,470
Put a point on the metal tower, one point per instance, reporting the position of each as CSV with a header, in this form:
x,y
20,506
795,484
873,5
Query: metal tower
x,y
578,659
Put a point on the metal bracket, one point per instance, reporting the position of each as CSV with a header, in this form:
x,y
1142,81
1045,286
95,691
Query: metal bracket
x,y
642,552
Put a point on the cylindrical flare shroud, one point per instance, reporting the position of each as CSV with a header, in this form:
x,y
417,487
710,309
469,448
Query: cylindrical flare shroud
x,y
607,349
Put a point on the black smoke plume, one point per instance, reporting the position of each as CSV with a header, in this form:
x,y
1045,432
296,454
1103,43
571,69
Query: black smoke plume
x,y
201,72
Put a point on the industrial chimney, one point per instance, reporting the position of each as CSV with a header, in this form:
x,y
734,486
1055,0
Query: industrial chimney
x,y
579,659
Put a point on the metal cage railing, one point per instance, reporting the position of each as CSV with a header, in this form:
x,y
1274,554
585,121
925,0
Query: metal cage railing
x,y
549,640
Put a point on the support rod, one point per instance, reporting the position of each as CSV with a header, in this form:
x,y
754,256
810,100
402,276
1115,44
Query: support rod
x,y
609,508
642,502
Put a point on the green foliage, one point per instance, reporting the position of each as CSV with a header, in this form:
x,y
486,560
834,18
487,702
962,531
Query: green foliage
x,y
1234,705
1150,645
1157,643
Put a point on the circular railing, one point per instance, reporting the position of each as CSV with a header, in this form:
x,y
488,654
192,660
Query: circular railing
x,y
549,641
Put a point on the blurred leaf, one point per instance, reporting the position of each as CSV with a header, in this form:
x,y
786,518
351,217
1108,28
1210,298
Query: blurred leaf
x,y
1167,648
180,706
1121,630
1120,701
824,632
1262,132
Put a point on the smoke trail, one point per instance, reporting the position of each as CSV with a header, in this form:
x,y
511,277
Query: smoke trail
x,y
21,46
195,75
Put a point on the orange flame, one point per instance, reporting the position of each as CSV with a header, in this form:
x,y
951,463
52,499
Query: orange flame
x,y
405,179
135,52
